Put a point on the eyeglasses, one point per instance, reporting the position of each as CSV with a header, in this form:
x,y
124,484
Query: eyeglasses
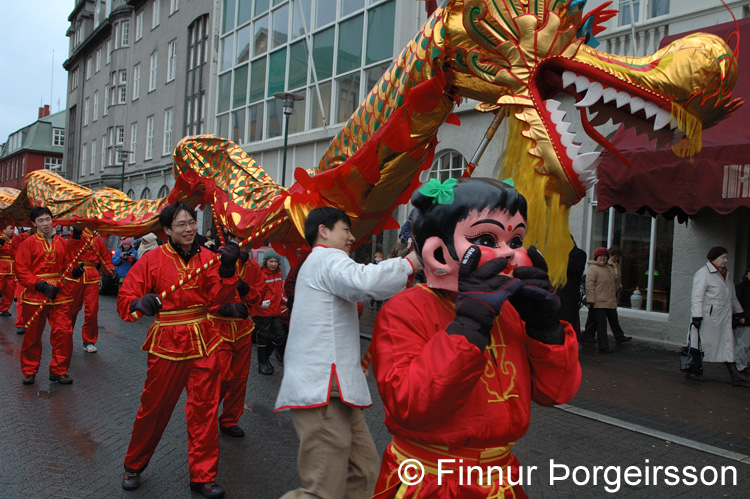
x,y
181,225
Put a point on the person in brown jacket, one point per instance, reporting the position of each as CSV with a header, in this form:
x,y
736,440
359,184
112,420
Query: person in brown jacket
x,y
601,298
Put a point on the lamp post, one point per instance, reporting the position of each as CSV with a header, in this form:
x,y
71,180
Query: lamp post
x,y
123,156
288,105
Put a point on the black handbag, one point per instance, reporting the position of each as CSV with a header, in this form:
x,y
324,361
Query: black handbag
x,y
691,359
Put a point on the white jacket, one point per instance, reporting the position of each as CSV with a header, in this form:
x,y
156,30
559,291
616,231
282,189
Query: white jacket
x,y
324,328
714,300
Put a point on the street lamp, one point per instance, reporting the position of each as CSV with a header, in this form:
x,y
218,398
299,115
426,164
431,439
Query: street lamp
x,y
123,156
288,105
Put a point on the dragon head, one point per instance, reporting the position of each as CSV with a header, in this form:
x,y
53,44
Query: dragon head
x,y
566,99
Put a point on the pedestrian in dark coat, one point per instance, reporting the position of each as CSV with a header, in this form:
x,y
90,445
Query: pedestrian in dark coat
x,y
570,294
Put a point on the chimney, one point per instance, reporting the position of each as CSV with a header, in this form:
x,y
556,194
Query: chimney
x,y
44,111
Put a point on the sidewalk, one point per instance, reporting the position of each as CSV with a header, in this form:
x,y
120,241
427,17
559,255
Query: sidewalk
x,y
69,441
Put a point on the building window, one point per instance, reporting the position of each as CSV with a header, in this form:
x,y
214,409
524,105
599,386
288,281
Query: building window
x,y
95,110
167,146
104,153
449,164
195,99
120,133
171,60
98,60
155,13
149,137
174,6
136,81
154,66
85,111
646,246
88,68
109,51
54,164
133,141
125,33
146,193
58,137
106,100
139,26
93,158
84,150
625,19
74,79
658,8
163,192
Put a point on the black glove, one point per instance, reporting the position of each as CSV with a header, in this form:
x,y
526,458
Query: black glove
x,y
229,255
243,288
2,242
481,294
696,321
77,271
236,310
147,304
537,303
48,290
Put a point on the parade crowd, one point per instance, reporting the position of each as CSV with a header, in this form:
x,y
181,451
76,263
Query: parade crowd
x,y
458,355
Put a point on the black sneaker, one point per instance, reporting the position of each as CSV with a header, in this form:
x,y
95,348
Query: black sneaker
x,y
20,330
63,379
623,339
5,314
232,431
131,481
209,489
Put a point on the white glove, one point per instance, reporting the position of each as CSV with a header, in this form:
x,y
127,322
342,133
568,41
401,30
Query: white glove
x,y
265,304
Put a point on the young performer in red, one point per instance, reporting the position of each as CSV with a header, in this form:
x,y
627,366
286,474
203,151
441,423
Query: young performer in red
x,y
85,291
459,361
233,322
269,325
181,346
40,262
7,276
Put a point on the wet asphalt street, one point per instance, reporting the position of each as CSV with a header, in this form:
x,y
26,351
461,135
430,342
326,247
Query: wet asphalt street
x,y
633,409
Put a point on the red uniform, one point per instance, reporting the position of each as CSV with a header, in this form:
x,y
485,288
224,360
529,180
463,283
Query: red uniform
x,y
7,275
40,260
15,242
236,350
180,344
85,290
445,399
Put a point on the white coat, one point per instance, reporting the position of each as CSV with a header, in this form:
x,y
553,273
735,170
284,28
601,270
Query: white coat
x,y
323,337
714,300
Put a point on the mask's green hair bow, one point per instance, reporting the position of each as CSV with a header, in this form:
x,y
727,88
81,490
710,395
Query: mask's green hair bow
x,y
441,193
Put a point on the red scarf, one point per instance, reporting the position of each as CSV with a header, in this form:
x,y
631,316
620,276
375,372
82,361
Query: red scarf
x,y
722,271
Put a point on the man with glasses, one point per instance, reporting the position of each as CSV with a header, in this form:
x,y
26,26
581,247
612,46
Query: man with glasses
x,y
181,346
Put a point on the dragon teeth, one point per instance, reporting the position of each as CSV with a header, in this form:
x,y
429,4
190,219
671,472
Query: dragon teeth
x,y
593,95
568,78
662,119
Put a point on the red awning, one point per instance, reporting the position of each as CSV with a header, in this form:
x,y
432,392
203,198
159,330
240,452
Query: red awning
x,y
662,182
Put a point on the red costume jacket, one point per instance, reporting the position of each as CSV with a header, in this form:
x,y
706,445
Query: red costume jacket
x,y
37,260
181,329
232,329
274,291
440,390
7,254
94,254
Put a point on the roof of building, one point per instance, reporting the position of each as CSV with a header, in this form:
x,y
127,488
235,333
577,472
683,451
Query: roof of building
x,y
37,136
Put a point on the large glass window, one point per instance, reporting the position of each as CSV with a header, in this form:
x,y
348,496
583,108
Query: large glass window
x,y
261,6
646,261
276,72
325,12
380,33
280,26
325,103
297,65
260,38
301,25
238,126
257,80
323,53
255,123
658,8
243,45
450,164
347,96
225,82
625,17
350,45
226,53
227,20
349,6
244,11
239,95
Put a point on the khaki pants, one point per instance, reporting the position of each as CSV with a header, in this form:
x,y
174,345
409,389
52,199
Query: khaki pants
x,y
337,457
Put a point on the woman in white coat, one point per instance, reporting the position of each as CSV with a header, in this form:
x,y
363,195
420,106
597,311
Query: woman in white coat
x,y
713,303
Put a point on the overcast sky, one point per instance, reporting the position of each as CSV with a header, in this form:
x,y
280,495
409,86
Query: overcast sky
x,y
31,32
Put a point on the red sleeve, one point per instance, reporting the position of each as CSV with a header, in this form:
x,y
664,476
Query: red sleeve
x,y
555,369
24,273
422,372
252,275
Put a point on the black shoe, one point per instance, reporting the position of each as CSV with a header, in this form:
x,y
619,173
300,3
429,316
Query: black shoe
x,y
5,314
695,377
131,481
232,431
623,339
63,379
20,330
605,350
264,365
29,379
210,489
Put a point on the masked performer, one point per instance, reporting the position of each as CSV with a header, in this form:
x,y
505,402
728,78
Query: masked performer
x,y
459,361
85,292
181,346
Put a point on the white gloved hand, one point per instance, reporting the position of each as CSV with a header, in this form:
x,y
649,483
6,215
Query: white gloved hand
x,y
265,304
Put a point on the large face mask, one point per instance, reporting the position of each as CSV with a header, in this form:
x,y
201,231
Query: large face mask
x,y
497,233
